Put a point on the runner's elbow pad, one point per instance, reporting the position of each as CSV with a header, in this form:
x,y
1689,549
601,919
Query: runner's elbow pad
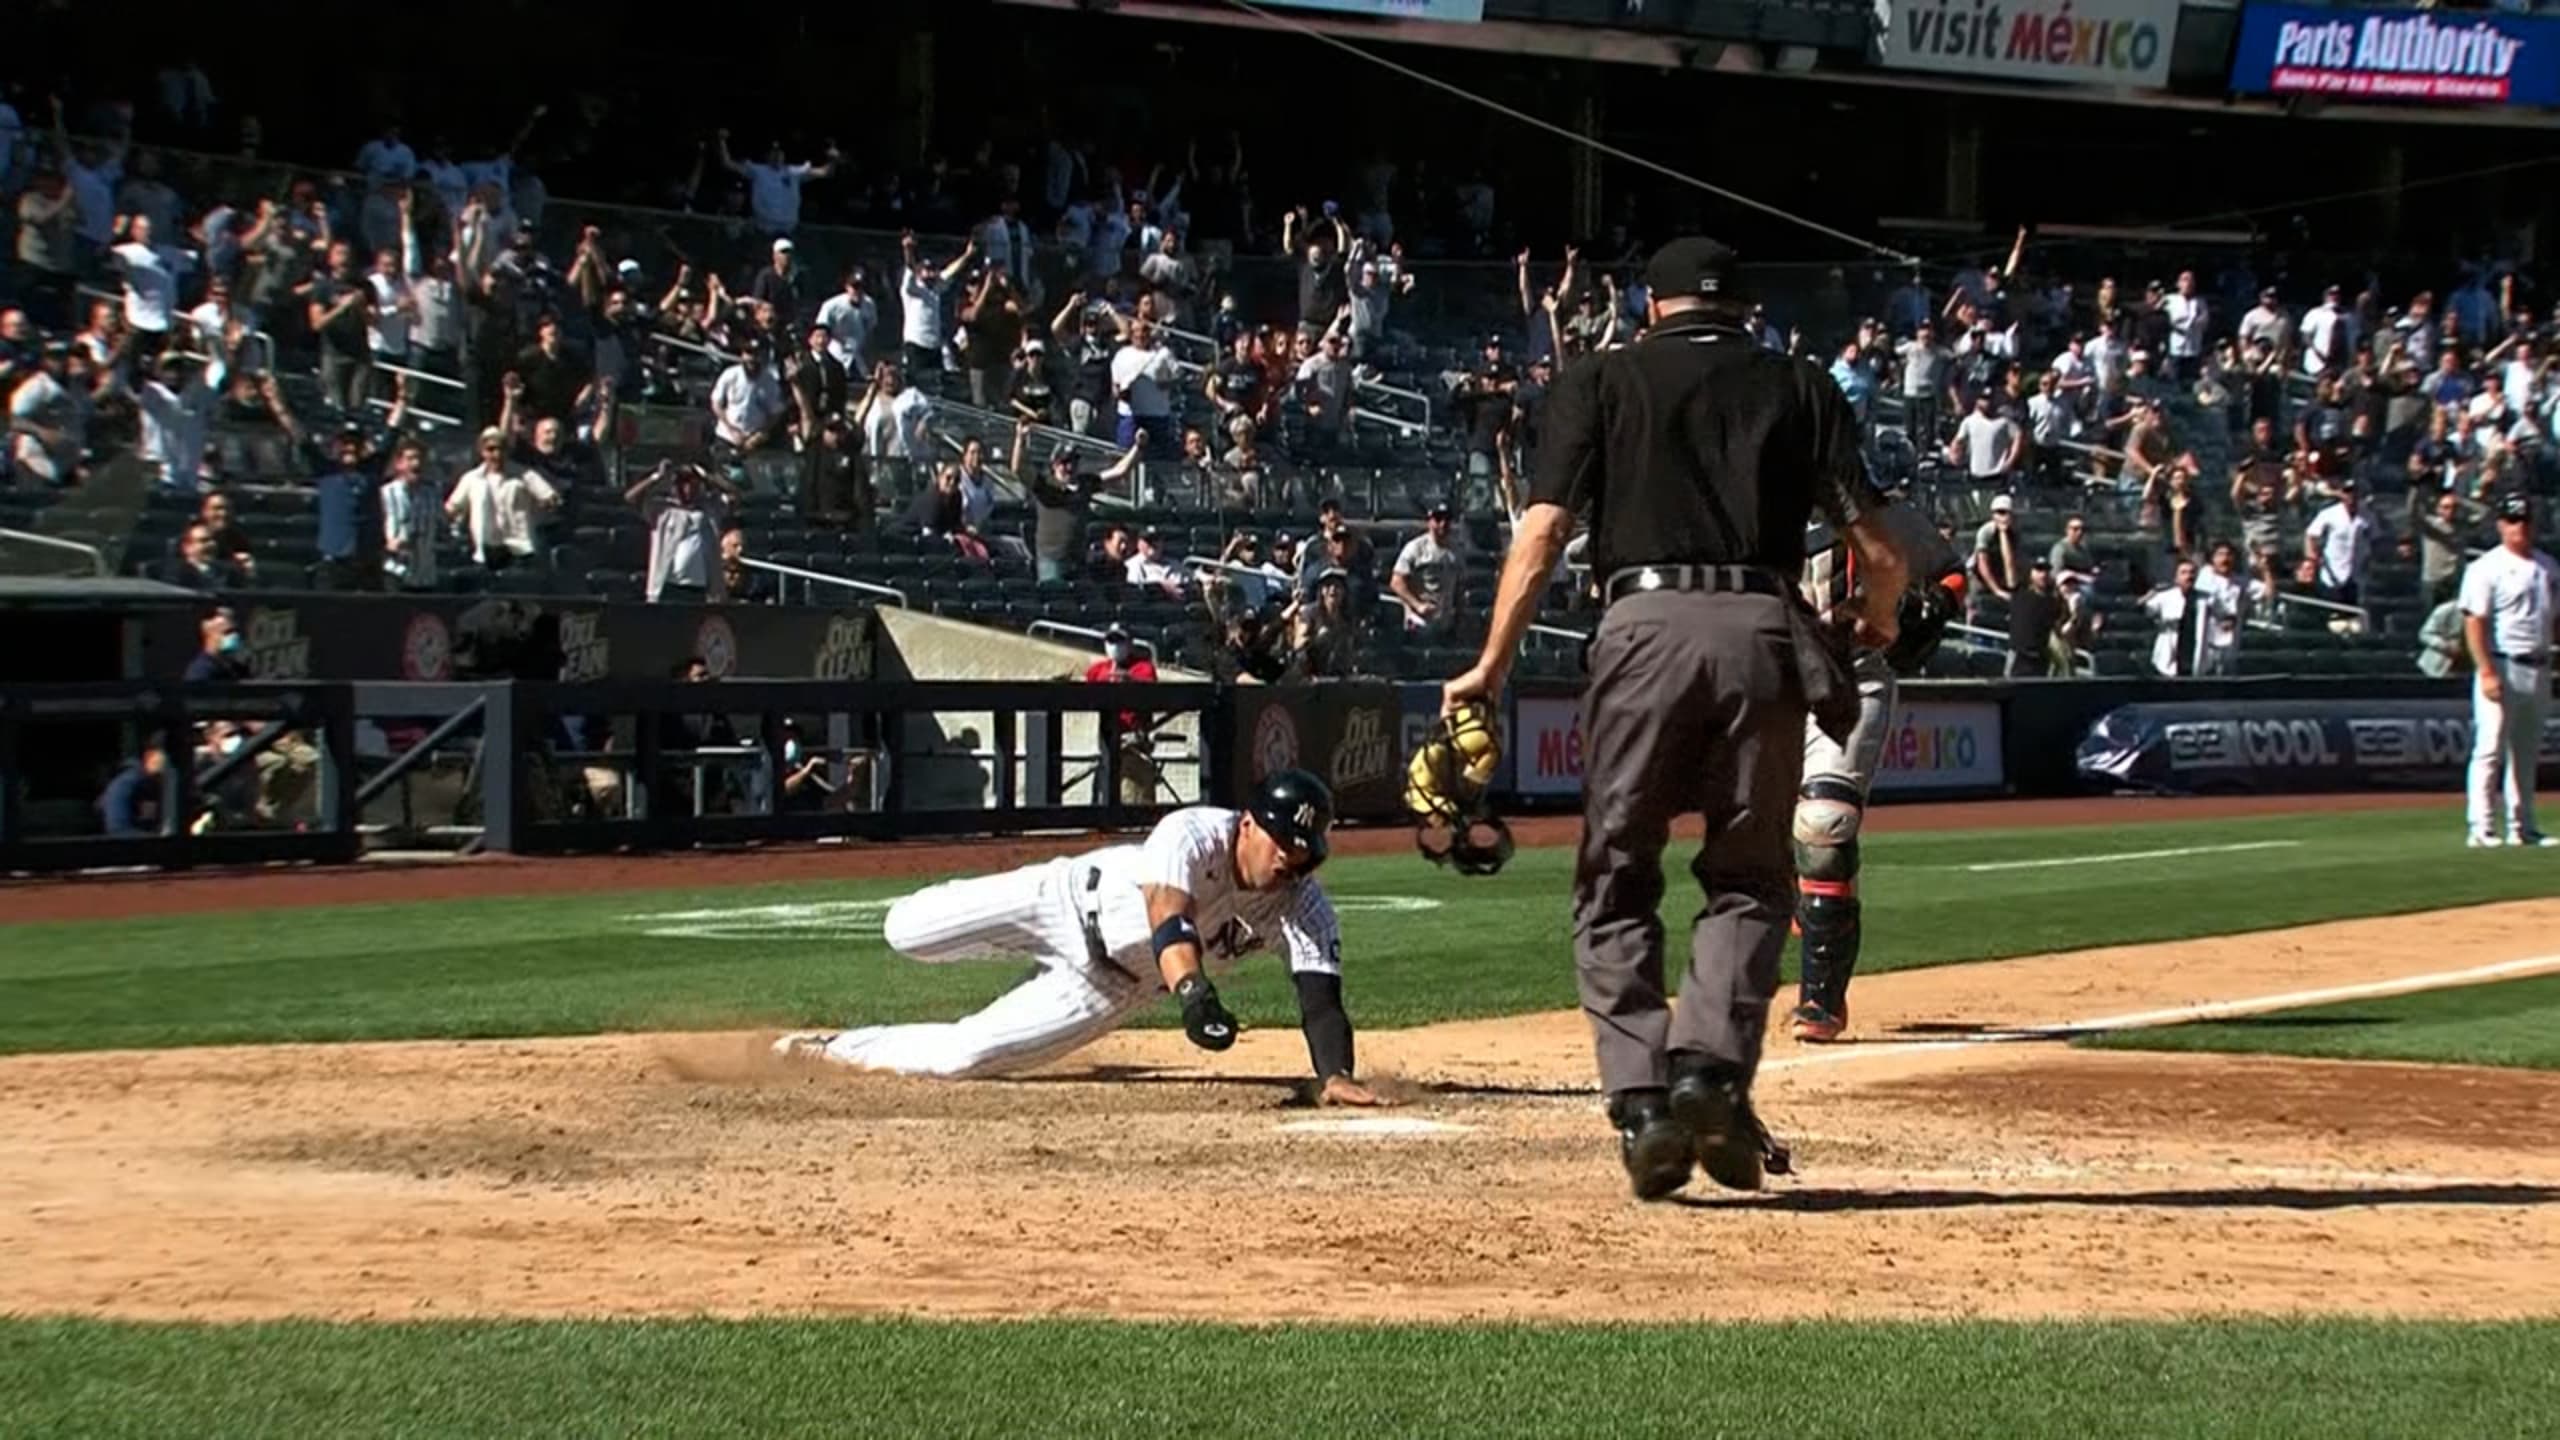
x,y
1176,931
1328,1027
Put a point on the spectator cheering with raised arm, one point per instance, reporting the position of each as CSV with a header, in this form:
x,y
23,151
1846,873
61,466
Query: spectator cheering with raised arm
x,y
773,183
2340,542
684,507
920,291
411,522
994,316
152,274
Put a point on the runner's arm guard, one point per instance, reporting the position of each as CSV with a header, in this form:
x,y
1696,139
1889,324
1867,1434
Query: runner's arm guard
x,y
1448,790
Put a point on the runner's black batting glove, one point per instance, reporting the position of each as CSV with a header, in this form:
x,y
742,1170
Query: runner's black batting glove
x,y
1203,1018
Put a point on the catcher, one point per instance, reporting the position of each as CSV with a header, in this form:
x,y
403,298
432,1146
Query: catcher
x,y
1832,800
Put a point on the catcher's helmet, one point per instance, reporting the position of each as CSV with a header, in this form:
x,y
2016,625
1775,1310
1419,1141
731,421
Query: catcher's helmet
x,y
1296,809
1448,789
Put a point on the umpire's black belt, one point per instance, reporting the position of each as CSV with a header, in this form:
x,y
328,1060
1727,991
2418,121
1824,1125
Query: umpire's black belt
x,y
1692,579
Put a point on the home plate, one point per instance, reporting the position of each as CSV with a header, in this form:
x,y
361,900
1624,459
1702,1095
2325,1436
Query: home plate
x,y
1377,1125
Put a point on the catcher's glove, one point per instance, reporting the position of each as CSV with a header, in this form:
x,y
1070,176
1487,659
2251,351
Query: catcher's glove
x,y
1448,789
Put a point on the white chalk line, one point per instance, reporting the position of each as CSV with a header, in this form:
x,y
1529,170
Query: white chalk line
x,y
2114,857
2179,1014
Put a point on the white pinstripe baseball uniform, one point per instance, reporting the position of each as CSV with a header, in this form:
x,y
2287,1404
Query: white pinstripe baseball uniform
x,y
2519,597
1084,920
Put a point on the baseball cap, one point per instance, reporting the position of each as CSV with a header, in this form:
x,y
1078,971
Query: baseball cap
x,y
782,246
627,267
1439,512
1690,265
2041,562
1116,634
2001,504
2516,506
1493,341
1333,575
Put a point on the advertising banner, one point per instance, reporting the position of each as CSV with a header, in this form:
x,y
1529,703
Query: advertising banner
x,y
1346,733
2288,745
2122,43
1942,746
2429,56
1546,735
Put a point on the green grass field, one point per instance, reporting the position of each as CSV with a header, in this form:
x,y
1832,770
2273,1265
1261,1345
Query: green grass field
x,y
901,1378
2511,1022
583,963
546,965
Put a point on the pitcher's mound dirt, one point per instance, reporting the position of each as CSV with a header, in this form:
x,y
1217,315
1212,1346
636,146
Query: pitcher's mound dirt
x,y
678,1174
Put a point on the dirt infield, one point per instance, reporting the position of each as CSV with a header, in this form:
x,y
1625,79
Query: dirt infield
x,y
127,896
1944,1173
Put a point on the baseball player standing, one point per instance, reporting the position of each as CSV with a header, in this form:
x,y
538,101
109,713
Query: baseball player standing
x,y
2510,597
1113,930
1698,455
1832,801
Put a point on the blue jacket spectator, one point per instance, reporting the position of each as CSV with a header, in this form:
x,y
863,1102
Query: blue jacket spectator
x,y
130,805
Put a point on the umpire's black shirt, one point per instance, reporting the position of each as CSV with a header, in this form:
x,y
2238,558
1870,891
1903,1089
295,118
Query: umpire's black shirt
x,y
1695,446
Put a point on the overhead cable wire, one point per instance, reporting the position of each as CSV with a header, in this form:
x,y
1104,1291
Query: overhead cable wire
x,y
1291,23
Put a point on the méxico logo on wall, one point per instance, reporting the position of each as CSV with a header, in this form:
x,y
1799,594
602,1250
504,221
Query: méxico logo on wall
x,y
2432,56
2122,43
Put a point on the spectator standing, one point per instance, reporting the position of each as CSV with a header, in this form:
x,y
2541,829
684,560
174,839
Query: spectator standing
x,y
1324,389
2187,315
995,325
1061,501
1236,389
49,247
48,420
1329,647
501,507
1485,399
559,378
818,387
2230,596
2036,615
177,400
2267,323
222,657
834,489
1924,386
850,317
340,312
785,286
2510,605
682,504
920,293
892,418
2341,540
746,403
2442,528
2178,613
773,183
2326,336
1426,578
1988,444
1998,568
1121,664
977,487
349,506
411,519
1143,374
152,274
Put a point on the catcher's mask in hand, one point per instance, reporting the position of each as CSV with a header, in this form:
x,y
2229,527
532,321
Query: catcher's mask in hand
x,y
1448,790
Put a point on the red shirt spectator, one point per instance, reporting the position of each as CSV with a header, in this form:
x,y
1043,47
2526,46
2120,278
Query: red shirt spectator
x,y
1120,662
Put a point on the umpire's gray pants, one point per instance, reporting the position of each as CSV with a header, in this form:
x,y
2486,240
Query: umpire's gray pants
x,y
1693,707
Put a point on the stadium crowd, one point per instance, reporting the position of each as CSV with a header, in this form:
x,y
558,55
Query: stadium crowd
x,y
1030,355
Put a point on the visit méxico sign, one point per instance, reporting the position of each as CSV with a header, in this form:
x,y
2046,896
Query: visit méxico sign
x,y
2080,42
2442,56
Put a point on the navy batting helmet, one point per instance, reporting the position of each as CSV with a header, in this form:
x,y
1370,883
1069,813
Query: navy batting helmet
x,y
1296,809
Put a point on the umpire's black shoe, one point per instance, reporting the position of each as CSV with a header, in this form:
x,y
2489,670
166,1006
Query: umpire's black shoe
x,y
1708,1099
1654,1145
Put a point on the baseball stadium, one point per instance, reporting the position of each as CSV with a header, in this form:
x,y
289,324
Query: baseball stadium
x,y
952,719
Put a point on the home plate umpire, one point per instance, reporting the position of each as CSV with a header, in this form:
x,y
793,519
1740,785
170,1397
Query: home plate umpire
x,y
1698,457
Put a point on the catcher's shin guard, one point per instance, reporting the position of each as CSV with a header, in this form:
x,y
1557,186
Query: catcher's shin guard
x,y
1827,914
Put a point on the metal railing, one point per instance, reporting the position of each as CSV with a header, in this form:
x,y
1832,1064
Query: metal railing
x,y
97,557
1982,640
2363,617
811,579
1081,632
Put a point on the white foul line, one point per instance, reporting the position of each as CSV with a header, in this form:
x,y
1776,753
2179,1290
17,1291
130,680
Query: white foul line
x,y
2050,861
2206,1010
